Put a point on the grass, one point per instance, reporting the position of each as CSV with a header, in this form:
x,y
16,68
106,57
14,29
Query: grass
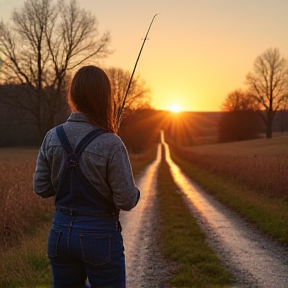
x,y
16,153
259,147
261,164
20,208
264,208
139,161
25,222
26,264
183,242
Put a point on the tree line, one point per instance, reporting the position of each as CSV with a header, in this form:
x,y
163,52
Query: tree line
x,y
40,49
266,95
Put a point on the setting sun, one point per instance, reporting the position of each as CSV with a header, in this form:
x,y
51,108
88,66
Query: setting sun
x,y
175,108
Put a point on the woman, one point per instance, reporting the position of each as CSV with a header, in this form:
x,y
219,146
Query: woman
x,y
86,167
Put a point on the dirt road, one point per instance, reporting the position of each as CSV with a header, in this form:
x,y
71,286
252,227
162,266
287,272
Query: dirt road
x,y
144,263
253,258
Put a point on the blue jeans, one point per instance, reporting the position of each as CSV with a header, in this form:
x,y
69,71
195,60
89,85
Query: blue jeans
x,y
81,247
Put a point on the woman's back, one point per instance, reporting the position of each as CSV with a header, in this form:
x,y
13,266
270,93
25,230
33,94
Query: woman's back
x,y
104,162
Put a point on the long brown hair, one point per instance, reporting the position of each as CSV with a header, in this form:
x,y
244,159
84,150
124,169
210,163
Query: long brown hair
x,y
90,93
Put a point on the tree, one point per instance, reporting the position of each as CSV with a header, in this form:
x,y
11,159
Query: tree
x,y
138,96
240,119
46,42
269,82
240,100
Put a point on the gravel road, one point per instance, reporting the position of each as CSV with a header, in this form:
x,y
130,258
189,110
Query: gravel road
x,y
253,258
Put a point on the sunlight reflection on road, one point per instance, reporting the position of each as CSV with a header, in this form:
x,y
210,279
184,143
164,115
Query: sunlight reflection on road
x,y
254,257
136,224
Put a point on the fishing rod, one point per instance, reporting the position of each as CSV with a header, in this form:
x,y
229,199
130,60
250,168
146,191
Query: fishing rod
x,y
130,80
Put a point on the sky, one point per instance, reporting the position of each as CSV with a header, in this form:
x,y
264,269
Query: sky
x,y
197,52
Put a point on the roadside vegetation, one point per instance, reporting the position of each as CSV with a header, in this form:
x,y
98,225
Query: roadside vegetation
x,y
183,242
25,222
20,208
250,177
26,219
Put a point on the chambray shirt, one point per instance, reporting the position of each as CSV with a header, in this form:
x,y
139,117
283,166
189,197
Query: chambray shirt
x,y
104,162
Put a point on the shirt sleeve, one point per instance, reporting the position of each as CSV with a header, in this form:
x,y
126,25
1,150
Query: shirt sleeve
x,y
42,185
120,177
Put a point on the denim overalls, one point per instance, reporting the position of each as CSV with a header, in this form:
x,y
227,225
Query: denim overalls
x,y
85,238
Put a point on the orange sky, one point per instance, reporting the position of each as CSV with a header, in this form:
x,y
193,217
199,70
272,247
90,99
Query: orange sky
x,y
198,51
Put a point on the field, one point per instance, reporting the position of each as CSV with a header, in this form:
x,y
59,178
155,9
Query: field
x,y
19,153
19,206
262,164
22,213
275,147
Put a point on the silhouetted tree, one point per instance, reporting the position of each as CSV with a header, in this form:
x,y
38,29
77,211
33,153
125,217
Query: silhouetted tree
x,y
46,41
241,119
268,81
139,130
16,125
138,96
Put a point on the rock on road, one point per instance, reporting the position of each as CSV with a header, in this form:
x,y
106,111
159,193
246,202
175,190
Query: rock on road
x,y
253,258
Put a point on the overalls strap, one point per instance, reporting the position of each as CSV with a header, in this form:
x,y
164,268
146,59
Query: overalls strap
x,y
87,140
82,144
64,140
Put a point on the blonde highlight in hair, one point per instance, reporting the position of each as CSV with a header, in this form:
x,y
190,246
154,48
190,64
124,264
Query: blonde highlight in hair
x,y
90,93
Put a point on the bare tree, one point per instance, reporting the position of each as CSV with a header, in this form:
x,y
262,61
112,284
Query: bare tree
x,y
46,41
138,96
240,100
269,82
240,119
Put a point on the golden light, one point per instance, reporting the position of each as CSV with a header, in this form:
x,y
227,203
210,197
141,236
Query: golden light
x,y
175,108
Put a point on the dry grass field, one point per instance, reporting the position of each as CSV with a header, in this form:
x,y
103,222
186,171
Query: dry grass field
x,y
19,206
277,146
262,164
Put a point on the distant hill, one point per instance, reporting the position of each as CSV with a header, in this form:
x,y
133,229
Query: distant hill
x,y
141,128
138,130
